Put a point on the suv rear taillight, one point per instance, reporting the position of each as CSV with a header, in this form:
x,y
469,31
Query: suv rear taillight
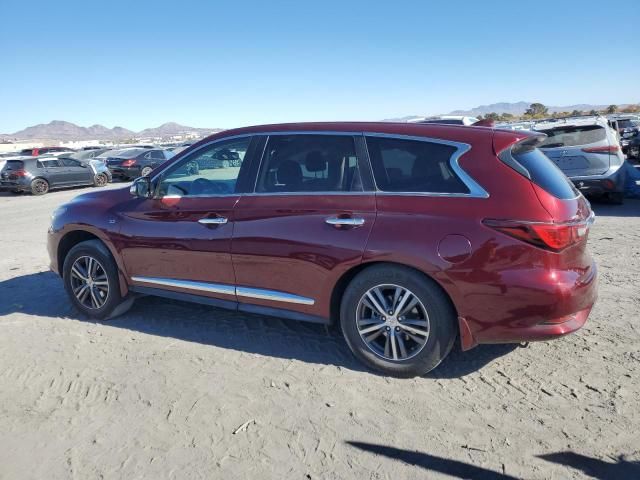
x,y
128,163
606,149
550,236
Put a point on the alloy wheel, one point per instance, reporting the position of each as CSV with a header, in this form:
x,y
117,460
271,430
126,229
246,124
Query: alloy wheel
x,y
146,171
392,322
101,180
89,282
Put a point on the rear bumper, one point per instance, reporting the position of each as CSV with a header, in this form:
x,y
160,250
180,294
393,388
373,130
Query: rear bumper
x,y
16,185
610,182
547,305
125,172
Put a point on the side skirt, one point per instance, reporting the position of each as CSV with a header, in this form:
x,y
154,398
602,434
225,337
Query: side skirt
x,y
229,304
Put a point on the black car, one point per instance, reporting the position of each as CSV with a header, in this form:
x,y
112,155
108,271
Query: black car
x,y
633,147
39,175
136,162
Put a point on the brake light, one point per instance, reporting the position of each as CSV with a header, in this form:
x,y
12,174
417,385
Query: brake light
x,y
19,173
606,149
550,236
128,163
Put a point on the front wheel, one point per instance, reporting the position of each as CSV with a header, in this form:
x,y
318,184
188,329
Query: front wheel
x,y
397,321
100,180
90,278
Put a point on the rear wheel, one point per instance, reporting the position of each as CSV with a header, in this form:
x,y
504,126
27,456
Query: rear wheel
x,y
39,186
100,180
91,280
146,171
397,321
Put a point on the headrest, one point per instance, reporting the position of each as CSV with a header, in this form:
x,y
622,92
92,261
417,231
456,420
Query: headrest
x,y
315,162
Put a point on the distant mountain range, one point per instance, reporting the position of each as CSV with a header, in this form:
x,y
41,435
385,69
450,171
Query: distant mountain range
x,y
60,130
516,109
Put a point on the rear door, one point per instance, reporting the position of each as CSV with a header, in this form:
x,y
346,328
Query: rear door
x,y
53,171
305,224
578,150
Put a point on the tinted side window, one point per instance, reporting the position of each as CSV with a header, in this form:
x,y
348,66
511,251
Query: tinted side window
x,y
544,172
413,166
69,162
156,155
309,163
53,163
212,170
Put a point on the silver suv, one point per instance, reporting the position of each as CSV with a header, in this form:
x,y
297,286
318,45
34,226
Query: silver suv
x,y
588,151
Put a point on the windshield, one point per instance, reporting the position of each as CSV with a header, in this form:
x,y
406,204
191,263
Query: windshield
x,y
131,152
571,136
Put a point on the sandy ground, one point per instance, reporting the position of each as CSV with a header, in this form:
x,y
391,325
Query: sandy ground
x,y
161,391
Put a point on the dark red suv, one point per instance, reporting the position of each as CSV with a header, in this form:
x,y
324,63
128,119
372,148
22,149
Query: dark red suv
x,y
407,235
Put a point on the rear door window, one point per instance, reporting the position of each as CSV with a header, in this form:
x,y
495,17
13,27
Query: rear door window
x,y
573,136
309,163
401,165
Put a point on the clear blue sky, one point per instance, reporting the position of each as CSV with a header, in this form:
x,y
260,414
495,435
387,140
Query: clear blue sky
x,y
138,64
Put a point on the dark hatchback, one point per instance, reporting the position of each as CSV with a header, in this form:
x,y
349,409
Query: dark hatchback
x,y
137,162
39,175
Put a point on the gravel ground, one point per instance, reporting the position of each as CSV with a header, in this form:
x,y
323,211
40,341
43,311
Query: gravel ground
x,y
174,390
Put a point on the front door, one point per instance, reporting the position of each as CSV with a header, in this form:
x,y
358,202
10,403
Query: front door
x,y
304,226
75,172
180,240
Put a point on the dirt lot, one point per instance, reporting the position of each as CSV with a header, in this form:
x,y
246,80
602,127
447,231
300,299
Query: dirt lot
x,y
159,392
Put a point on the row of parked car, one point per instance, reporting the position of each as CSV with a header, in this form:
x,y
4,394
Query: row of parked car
x,y
38,170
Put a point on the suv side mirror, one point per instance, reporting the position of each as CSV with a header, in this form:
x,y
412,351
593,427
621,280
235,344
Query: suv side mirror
x,y
141,187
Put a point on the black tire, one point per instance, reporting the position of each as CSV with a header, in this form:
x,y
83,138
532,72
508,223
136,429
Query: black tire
x,y
146,171
39,186
441,318
100,180
114,303
616,198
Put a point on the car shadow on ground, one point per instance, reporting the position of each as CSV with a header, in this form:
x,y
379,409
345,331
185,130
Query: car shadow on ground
x,y
42,294
630,208
592,467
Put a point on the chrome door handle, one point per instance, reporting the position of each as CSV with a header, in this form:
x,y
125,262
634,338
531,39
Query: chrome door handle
x,y
213,221
345,222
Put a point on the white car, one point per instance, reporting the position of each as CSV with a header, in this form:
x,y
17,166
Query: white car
x,y
447,120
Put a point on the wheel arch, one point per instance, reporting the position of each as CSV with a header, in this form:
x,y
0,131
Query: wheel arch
x,y
73,237
342,283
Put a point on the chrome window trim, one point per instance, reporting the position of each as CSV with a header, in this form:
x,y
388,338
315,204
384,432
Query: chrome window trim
x,y
247,292
475,190
273,295
188,284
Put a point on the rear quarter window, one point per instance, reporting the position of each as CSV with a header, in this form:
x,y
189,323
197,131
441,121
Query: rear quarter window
x,y
573,136
401,165
541,171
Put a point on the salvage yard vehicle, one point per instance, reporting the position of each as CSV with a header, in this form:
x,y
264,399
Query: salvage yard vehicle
x,y
50,151
136,162
38,175
406,235
587,150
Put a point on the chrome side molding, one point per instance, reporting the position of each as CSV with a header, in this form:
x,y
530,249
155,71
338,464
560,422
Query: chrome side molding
x,y
226,290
